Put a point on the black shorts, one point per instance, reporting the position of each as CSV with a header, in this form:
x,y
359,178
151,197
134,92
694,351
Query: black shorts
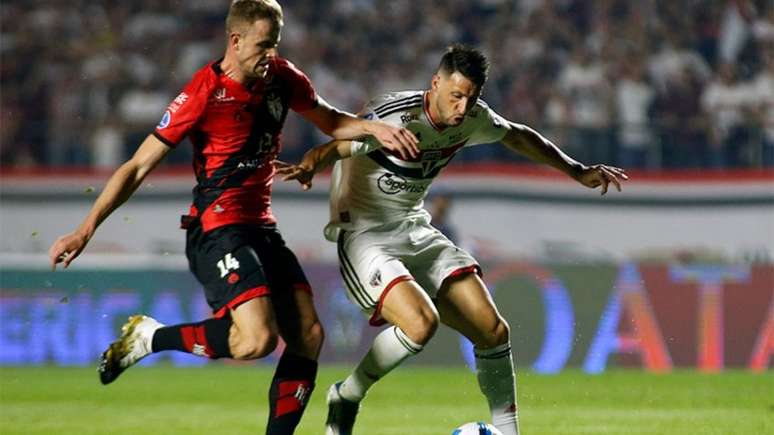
x,y
236,263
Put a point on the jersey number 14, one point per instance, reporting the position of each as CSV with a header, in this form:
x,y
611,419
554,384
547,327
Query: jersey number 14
x,y
228,263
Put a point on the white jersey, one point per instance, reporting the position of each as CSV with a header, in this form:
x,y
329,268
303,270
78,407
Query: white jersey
x,y
376,187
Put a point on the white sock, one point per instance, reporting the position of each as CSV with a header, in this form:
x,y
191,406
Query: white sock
x,y
497,381
390,348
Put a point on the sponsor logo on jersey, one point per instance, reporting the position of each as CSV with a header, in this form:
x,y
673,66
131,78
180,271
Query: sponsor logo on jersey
x,y
220,96
178,102
408,117
392,184
164,120
250,164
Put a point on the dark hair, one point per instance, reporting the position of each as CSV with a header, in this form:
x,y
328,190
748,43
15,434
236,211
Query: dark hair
x,y
468,61
246,12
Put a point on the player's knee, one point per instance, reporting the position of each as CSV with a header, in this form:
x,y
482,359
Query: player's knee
x,y
498,333
313,338
502,332
422,327
256,345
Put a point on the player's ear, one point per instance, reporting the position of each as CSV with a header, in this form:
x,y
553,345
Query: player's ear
x,y
233,40
436,80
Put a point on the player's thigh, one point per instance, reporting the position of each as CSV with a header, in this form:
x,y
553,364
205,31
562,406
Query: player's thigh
x,y
298,323
409,307
254,321
291,294
465,305
437,259
369,267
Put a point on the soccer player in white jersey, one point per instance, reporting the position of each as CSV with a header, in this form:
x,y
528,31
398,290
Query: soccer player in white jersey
x,y
396,266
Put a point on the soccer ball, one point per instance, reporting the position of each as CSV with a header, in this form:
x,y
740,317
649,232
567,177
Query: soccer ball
x,y
476,428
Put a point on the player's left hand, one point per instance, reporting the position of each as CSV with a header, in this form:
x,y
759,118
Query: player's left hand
x,y
302,172
602,175
398,139
66,248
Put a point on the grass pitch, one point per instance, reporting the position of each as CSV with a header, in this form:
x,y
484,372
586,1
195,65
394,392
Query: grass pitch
x,y
232,400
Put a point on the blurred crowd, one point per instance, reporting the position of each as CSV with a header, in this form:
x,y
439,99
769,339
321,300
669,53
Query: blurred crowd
x,y
642,84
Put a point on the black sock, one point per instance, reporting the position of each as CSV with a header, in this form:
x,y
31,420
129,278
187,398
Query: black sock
x,y
290,390
208,338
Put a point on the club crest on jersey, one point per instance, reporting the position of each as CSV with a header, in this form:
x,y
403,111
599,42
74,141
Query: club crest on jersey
x,y
274,104
430,161
376,278
164,120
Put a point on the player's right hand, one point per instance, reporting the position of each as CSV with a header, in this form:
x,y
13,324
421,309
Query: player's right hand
x,y
66,249
301,172
397,139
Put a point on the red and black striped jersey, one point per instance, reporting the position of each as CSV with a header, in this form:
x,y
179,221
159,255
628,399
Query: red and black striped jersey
x,y
236,134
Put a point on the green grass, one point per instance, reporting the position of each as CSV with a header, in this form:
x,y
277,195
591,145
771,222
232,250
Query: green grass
x,y
425,401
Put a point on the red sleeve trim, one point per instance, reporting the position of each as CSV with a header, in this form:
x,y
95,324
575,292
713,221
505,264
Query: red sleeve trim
x,y
166,141
376,317
243,297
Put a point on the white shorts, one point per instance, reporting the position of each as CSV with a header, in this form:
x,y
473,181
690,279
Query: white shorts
x,y
372,261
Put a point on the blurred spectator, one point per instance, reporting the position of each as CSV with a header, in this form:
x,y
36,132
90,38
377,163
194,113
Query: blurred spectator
x,y
673,58
681,123
634,97
763,91
555,66
589,95
728,103
140,109
440,204
735,29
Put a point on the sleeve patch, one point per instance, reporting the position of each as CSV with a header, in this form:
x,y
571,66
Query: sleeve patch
x,y
165,119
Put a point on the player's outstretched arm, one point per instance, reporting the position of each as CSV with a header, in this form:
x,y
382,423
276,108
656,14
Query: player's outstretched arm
x,y
527,141
343,125
124,181
314,161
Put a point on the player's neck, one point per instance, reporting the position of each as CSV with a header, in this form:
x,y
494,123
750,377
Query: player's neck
x,y
432,110
230,68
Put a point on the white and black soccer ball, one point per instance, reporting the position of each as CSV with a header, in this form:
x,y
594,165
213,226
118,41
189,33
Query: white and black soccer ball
x,y
476,428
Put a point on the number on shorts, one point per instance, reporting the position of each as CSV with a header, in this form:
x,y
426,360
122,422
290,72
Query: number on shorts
x,y
227,264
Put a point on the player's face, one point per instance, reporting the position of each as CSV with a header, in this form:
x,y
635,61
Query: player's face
x,y
256,47
455,96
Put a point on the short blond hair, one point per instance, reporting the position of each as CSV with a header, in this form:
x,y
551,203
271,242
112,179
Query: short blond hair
x,y
246,12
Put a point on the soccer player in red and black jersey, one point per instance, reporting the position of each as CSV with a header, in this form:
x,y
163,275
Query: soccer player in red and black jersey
x,y
233,111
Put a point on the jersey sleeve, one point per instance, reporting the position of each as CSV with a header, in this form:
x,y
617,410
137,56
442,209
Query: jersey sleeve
x,y
303,97
369,143
365,146
183,112
491,126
